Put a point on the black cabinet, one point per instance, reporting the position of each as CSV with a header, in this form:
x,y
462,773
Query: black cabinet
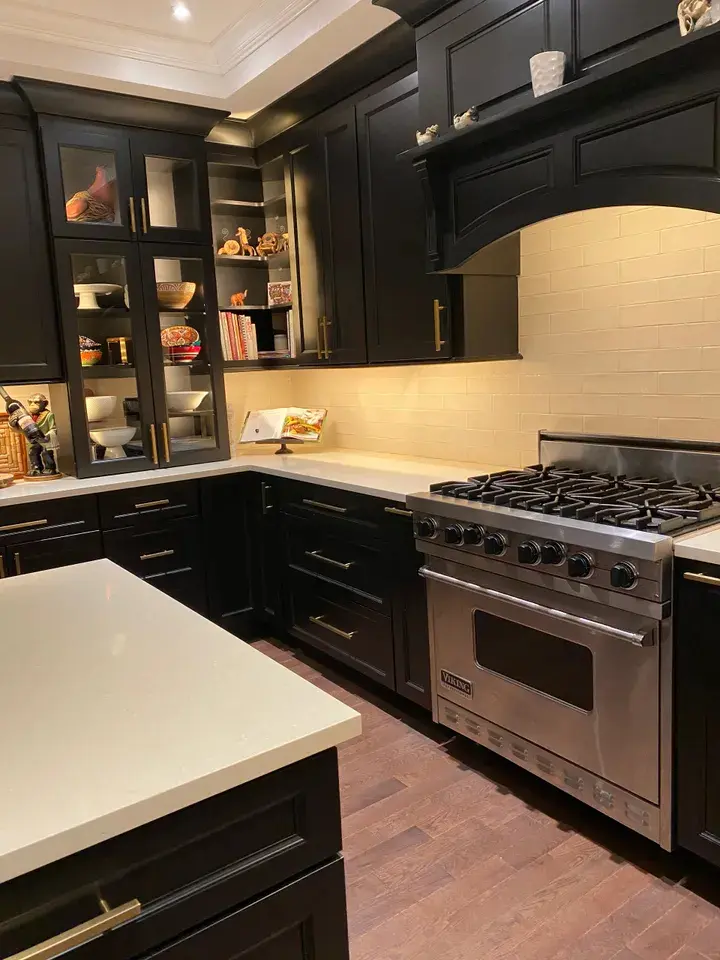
x,y
118,183
52,552
29,341
225,521
268,550
697,740
408,310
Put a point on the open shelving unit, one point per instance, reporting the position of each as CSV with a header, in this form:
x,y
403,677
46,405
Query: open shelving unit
x,y
253,198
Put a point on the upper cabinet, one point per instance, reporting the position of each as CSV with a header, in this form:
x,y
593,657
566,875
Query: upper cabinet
x,y
113,183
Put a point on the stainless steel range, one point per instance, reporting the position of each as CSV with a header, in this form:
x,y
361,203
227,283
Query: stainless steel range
x,y
549,601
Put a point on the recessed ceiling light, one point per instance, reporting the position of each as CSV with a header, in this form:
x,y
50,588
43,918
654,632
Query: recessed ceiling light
x,y
181,11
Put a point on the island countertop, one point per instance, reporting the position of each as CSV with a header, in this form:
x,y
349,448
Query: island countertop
x,y
121,706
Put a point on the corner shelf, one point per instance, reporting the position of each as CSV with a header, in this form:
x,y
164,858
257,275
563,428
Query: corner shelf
x,y
278,260
261,363
100,371
249,204
269,307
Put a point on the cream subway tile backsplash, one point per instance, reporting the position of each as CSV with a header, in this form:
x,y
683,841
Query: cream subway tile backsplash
x,y
620,333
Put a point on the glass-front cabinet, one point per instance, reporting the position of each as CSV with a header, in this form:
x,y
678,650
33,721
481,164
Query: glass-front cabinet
x,y
113,183
143,356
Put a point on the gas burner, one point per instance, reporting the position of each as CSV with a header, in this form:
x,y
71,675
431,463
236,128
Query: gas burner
x,y
652,504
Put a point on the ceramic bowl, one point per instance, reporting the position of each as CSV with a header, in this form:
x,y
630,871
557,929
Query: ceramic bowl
x,y
185,401
89,358
100,408
175,296
113,439
184,354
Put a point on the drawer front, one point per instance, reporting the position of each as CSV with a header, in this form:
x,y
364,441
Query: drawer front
x,y
304,920
359,566
354,513
169,546
143,506
37,521
185,869
324,616
185,586
54,552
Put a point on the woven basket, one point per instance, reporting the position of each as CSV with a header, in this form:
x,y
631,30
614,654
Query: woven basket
x,y
13,452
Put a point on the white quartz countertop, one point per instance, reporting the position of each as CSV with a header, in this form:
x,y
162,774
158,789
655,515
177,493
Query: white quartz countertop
x,y
119,706
389,477
704,545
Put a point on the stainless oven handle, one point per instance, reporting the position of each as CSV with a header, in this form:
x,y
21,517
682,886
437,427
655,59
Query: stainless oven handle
x,y
639,639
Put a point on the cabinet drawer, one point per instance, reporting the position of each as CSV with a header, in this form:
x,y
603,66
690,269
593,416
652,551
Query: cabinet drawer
x,y
324,616
304,920
36,521
185,869
354,513
358,566
186,586
53,552
143,506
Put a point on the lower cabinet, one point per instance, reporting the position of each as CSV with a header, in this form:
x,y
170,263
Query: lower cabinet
x,y
226,547
697,708
50,552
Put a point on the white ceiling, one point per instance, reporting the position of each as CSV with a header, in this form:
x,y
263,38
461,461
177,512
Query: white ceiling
x,y
239,55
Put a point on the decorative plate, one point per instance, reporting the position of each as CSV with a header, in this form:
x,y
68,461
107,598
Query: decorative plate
x,y
178,336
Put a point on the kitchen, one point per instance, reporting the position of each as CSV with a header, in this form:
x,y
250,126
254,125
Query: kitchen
x,y
530,651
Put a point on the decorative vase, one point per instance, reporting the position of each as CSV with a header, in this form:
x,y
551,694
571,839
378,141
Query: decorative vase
x,y
547,71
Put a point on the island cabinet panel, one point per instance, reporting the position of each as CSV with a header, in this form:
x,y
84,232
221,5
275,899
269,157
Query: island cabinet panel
x,y
697,678
227,547
195,866
52,552
29,334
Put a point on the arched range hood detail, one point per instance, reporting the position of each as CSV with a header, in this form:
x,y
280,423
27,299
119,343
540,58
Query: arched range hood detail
x,y
647,133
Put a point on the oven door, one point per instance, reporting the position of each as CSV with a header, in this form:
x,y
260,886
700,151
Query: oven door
x,y
577,678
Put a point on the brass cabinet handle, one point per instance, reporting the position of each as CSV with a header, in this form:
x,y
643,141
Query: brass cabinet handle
x,y
327,323
265,488
437,307
2,567
166,441
152,503
18,565
133,221
320,621
153,447
320,341
398,512
156,556
325,506
23,526
317,555
75,936
143,215
703,578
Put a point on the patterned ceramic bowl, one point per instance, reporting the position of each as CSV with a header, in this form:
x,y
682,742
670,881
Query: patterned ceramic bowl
x,y
89,358
175,296
184,354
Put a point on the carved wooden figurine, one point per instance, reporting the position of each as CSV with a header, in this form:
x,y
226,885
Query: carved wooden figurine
x,y
238,299
246,250
694,15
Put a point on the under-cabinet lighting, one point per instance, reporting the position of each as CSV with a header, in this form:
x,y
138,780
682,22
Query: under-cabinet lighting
x,y
181,11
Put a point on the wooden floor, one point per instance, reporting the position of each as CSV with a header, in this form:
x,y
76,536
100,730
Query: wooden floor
x,y
453,853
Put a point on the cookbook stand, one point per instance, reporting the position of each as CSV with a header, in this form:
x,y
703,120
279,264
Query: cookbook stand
x,y
283,444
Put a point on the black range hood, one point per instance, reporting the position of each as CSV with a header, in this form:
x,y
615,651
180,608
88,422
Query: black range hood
x,y
641,128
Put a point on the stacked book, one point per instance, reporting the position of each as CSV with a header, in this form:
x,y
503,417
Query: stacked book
x,y
239,337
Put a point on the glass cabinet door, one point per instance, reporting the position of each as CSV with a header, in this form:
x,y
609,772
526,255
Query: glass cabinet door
x,y
186,355
89,181
170,172
111,399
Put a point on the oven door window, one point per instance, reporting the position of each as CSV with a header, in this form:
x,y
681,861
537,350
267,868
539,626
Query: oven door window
x,y
551,665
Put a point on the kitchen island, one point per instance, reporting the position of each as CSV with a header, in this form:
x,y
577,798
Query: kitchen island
x,y
163,783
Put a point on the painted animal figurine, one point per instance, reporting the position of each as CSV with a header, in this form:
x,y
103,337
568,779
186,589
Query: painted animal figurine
x,y
231,248
283,242
267,244
462,120
430,134
238,299
694,15
246,250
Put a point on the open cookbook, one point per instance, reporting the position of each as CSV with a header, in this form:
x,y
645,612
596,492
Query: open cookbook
x,y
285,423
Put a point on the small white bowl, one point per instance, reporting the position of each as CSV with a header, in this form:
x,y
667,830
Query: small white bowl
x,y
113,438
185,401
100,408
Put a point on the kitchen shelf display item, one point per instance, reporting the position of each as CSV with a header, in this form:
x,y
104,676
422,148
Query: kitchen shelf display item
x,y
284,425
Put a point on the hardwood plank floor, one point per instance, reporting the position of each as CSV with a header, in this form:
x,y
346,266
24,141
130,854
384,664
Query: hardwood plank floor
x,y
453,853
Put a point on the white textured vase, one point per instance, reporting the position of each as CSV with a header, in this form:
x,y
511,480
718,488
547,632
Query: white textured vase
x,y
547,71
715,11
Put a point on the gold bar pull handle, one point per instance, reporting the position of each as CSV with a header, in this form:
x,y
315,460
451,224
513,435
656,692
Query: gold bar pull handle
x,y
152,503
2,567
143,215
320,339
23,526
166,442
398,512
327,323
153,449
703,578
156,556
325,506
320,621
439,343
133,220
317,555
18,564
76,936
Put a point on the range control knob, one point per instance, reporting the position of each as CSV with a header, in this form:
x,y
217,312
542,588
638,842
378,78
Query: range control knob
x,y
474,534
454,534
495,544
426,527
623,575
580,566
552,552
528,552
